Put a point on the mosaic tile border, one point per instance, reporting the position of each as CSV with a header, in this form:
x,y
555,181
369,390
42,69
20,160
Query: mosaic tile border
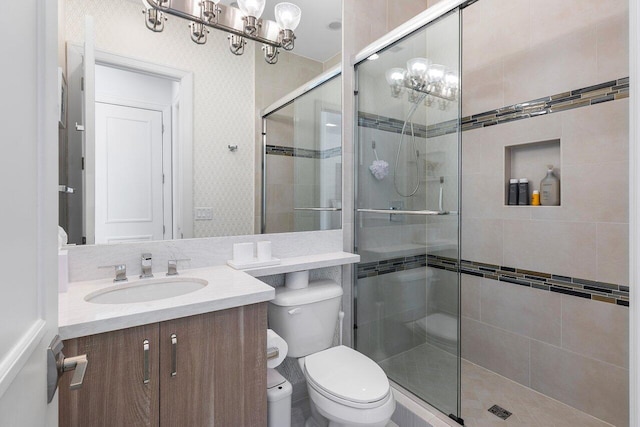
x,y
389,124
583,97
279,150
582,288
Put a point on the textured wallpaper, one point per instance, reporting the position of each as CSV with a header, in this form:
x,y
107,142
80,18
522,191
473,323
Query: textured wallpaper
x,y
224,103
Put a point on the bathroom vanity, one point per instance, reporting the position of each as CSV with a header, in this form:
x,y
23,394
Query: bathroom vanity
x,y
192,360
208,369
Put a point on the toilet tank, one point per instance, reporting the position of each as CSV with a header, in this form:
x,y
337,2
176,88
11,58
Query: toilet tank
x,y
306,318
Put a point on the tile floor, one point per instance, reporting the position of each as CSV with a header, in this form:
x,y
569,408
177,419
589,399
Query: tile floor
x,y
482,388
430,373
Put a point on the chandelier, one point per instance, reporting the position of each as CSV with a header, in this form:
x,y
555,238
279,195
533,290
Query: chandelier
x,y
424,80
241,23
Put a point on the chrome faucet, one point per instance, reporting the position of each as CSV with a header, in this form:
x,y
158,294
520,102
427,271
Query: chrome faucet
x,y
172,266
145,262
121,272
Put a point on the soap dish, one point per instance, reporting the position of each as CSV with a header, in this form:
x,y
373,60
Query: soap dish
x,y
253,264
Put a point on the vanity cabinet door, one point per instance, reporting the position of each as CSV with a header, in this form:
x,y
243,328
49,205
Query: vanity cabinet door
x,y
213,369
114,392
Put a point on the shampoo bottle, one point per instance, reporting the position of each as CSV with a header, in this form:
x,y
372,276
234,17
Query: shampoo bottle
x,y
512,198
550,189
523,191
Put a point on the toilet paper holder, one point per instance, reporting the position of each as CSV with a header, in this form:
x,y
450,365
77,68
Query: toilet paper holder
x,y
272,353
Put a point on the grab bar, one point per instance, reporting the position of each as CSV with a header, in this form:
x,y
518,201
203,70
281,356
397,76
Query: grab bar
x,y
401,212
318,209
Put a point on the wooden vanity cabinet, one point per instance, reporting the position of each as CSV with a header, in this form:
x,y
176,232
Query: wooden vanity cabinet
x,y
204,370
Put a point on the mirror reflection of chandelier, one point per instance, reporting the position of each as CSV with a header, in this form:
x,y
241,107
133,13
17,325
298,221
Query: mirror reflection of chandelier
x,y
241,23
424,80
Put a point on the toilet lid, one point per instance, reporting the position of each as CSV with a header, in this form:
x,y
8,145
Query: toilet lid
x,y
347,374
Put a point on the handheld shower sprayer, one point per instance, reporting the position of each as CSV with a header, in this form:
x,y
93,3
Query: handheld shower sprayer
x,y
414,149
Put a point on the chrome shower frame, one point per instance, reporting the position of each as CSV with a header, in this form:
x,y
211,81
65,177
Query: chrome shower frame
x,y
414,25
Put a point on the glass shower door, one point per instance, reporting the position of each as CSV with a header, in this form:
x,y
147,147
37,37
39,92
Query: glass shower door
x,y
407,221
302,182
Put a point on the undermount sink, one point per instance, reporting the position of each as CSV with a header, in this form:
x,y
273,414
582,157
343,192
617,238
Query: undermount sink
x,y
146,290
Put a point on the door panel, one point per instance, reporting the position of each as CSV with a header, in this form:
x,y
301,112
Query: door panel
x,y
129,175
28,307
114,393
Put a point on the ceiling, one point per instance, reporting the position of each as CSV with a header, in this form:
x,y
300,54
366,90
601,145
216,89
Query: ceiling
x,y
314,39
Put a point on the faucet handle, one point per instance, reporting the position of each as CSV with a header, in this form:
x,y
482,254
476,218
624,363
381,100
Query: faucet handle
x,y
172,266
146,265
121,272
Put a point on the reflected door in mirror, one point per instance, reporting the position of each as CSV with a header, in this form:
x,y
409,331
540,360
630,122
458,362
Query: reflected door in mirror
x,y
131,197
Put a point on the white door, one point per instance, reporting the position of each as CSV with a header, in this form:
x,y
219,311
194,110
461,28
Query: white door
x,y
28,246
128,174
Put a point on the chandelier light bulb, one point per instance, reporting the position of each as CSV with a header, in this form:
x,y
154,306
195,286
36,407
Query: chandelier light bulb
x,y
288,16
395,76
436,73
418,67
451,80
252,8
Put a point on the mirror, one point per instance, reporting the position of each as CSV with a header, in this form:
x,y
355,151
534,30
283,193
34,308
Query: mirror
x,y
175,126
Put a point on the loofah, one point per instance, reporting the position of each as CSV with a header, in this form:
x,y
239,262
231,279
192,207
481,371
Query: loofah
x,y
379,169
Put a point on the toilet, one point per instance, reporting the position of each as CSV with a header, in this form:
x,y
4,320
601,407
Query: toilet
x,y
345,387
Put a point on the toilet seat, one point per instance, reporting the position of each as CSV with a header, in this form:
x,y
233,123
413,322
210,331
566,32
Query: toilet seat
x,y
348,377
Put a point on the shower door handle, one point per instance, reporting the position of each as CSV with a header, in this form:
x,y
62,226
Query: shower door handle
x,y
318,209
403,212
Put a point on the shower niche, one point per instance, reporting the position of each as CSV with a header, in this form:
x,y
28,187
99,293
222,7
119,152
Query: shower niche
x,y
530,160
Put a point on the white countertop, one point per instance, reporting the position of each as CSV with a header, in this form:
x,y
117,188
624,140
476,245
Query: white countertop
x,y
227,288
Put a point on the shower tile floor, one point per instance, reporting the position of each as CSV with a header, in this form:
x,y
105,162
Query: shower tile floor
x,y
481,389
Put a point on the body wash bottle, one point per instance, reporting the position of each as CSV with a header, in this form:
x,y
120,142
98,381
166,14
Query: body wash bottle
x,y
550,189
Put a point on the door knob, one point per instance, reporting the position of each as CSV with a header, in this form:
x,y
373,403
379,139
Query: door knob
x,y
58,364
77,364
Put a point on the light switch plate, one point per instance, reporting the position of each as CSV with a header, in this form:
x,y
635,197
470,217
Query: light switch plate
x,y
203,214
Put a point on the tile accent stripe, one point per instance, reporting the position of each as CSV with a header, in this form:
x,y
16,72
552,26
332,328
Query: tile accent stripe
x,y
583,97
389,124
279,150
582,288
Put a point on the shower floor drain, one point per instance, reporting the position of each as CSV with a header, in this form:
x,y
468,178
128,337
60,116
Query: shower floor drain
x,y
500,412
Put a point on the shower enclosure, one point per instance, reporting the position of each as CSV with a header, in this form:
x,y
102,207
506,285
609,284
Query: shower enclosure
x,y
407,214
302,159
